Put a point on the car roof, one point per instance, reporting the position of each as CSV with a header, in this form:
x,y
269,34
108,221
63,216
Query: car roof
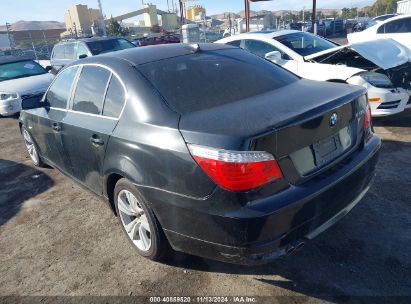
x,y
11,59
268,34
396,18
384,16
90,39
142,55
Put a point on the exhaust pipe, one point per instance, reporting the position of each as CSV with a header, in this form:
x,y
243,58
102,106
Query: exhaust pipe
x,y
299,245
289,250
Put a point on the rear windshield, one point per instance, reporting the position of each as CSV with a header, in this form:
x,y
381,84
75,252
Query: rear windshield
x,y
111,45
20,69
207,79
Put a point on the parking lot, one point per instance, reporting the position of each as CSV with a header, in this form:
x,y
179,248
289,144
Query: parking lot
x,y
58,239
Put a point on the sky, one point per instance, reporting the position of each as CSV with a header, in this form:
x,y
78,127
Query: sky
x,y
53,10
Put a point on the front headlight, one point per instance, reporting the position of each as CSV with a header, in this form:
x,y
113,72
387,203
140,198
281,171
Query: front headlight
x,y
377,80
4,96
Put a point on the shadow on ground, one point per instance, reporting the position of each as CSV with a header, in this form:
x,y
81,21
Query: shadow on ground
x,y
368,253
19,183
398,120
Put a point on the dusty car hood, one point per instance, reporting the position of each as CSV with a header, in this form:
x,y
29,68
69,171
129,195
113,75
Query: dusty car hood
x,y
27,85
386,53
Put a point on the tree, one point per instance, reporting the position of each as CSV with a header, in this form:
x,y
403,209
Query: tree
x,y
115,29
381,7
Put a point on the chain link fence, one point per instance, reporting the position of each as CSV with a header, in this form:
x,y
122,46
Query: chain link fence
x,y
34,44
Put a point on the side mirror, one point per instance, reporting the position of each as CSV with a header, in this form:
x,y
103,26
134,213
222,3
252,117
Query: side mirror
x,y
32,103
82,56
49,68
274,56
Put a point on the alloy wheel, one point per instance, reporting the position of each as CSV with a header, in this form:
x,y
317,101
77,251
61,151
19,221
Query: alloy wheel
x,y
134,220
31,148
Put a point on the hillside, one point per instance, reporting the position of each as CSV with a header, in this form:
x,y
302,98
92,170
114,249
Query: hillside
x,y
34,25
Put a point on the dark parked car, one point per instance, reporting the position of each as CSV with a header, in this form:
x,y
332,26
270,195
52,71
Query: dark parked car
x,y
190,148
66,52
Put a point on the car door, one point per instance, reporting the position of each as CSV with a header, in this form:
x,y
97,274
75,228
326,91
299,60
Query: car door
x,y
399,30
48,133
89,124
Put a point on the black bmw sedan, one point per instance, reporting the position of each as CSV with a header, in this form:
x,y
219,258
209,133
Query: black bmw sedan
x,y
207,148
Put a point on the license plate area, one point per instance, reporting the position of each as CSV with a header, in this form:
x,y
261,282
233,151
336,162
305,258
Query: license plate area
x,y
328,149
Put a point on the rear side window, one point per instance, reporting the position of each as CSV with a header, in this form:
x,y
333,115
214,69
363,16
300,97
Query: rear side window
x,y
398,26
115,98
213,78
69,51
58,52
90,90
59,92
236,43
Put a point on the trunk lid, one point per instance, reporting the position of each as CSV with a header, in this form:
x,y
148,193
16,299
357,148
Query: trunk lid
x,y
285,122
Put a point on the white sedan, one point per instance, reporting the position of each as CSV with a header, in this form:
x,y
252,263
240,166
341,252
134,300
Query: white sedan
x,y
397,28
381,66
22,81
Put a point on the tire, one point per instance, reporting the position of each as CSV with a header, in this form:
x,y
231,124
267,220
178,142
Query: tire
x,y
32,149
139,222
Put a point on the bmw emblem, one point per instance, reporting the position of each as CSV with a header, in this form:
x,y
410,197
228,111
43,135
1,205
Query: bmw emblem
x,y
333,119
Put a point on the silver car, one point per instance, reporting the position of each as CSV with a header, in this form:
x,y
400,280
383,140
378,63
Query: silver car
x,y
22,81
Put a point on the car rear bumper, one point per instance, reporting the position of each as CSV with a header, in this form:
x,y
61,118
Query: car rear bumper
x,y
408,105
269,227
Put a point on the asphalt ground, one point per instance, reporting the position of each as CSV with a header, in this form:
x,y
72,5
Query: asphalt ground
x,y
56,239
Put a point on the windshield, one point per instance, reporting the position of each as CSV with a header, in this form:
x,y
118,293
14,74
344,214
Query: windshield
x,y
20,69
208,79
305,44
111,45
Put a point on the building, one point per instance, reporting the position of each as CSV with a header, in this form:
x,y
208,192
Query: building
x,y
169,21
404,7
150,15
81,21
195,13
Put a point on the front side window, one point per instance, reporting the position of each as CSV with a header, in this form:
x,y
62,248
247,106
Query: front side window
x,y
59,92
20,69
109,45
115,98
90,90
305,44
81,50
259,48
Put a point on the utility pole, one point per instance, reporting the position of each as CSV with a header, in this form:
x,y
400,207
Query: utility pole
x,y
102,23
314,25
181,12
247,16
10,35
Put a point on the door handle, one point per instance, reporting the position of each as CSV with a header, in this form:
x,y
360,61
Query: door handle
x,y
56,127
97,141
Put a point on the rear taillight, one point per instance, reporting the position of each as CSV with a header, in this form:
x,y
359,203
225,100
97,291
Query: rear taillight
x,y
367,122
237,170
